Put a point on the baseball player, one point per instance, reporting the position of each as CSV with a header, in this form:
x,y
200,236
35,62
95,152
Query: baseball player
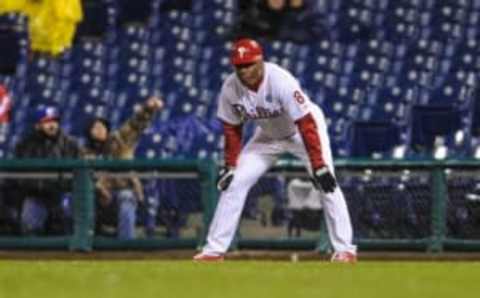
x,y
287,121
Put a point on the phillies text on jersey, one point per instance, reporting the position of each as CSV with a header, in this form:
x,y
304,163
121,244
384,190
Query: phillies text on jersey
x,y
275,106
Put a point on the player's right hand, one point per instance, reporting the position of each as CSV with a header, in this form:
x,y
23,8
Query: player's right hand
x,y
225,177
323,179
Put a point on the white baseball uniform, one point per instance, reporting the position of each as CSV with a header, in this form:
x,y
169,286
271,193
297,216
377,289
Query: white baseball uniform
x,y
275,106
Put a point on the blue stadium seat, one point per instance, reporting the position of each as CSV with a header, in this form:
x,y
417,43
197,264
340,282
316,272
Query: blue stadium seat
x,y
402,20
466,57
476,116
396,93
95,19
369,138
451,93
137,11
429,122
10,49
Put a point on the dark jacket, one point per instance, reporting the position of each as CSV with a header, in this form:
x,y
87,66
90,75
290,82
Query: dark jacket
x,y
37,145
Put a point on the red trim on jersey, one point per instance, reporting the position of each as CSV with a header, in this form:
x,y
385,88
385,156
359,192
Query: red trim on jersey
x,y
233,143
308,129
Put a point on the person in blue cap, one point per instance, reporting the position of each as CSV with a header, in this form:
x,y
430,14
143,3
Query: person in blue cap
x,y
45,202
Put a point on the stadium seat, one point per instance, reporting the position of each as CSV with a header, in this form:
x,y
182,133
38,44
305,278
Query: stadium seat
x,y
95,19
430,122
137,11
369,139
476,117
10,49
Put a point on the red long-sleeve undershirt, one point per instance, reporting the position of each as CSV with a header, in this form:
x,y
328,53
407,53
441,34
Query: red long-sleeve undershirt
x,y
233,143
309,132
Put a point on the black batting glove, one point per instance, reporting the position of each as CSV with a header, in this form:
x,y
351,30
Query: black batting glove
x,y
225,177
324,180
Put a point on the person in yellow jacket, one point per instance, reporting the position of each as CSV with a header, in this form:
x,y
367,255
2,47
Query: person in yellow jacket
x,y
52,23
11,5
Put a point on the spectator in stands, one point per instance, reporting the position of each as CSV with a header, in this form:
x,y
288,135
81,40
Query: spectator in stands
x,y
119,195
46,202
295,20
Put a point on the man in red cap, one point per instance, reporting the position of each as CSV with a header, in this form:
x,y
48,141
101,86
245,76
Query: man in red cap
x,y
287,121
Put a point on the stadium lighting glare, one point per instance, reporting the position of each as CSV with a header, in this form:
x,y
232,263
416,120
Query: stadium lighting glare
x,y
477,153
440,152
399,152
459,137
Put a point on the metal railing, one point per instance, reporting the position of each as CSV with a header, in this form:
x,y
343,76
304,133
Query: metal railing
x,y
83,238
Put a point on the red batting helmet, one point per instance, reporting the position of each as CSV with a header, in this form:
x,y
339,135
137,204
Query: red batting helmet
x,y
246,51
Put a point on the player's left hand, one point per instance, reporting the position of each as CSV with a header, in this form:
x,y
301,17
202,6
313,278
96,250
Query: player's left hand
x,y
324,180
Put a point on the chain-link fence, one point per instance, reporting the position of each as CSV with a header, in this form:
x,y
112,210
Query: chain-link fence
x,y
149,205
388,204
463,205
105,204
156,204
36,203
383,205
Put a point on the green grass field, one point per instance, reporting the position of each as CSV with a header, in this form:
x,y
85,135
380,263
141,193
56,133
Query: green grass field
x,y
118,279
